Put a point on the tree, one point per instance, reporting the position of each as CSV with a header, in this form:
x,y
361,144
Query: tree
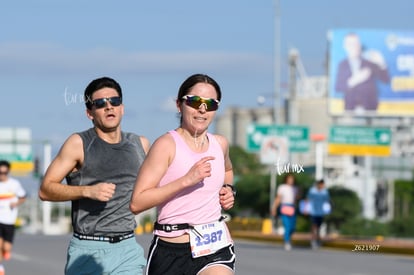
x,y
252,180
404,198
252,195
249,182
346,206
244,162
403,223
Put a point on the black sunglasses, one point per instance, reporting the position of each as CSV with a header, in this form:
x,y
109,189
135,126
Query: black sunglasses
x,y
101,102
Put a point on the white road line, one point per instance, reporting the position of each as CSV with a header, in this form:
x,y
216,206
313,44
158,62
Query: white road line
x,y
20,257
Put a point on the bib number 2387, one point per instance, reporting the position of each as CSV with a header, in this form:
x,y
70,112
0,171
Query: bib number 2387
x,y
207,238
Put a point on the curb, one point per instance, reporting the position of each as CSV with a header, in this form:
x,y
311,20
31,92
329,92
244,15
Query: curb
x,y
354,245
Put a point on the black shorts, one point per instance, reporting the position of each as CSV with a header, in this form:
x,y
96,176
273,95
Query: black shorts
x,y
7,232
166,258
318,220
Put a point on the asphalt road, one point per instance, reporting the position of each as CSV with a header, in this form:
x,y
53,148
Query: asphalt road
x,y
45,255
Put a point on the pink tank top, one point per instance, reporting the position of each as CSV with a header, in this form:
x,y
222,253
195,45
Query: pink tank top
x,y
197,204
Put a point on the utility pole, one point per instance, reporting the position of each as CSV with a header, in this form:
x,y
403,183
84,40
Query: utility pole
x,y
47,206
273,176
277,62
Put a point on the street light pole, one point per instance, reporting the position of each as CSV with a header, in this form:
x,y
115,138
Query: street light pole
x,y
273,176
47,205
277,62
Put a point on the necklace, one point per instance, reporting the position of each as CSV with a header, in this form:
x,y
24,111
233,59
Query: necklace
x,y
198,143
198,140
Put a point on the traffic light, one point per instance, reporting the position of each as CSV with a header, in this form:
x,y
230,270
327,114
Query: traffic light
x,y
36,169
381,202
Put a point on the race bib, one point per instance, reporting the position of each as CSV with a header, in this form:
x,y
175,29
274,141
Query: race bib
x,y
206,239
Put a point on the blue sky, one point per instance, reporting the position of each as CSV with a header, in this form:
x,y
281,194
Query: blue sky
x,y
50,50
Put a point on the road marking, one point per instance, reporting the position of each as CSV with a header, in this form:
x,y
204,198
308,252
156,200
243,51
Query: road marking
x,y
19,257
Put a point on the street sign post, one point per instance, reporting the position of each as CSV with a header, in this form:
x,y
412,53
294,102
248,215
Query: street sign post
x,y
271,141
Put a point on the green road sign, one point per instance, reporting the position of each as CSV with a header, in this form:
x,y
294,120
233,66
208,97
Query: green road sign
x,y
298,136
16,147
359,141
360,135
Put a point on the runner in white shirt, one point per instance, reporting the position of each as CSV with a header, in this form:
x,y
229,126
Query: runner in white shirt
x,y
284,205
12,195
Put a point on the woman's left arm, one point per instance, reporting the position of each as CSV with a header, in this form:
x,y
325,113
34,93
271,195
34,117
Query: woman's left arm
x,y
227,192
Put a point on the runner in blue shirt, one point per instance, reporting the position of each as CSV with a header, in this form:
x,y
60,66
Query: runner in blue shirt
x,y
319,199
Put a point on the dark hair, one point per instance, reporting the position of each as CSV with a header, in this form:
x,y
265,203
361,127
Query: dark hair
x,y
97,84
289,175
195,79
5,163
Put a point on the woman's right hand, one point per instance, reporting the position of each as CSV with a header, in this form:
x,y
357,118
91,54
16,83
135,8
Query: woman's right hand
x,y
200,170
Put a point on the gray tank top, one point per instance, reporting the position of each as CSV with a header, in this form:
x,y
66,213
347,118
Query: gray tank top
x,y
104,162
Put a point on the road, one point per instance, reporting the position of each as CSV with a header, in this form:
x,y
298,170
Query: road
x,y
45,255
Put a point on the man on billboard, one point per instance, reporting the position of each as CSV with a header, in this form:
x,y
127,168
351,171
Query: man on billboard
x,y
358,76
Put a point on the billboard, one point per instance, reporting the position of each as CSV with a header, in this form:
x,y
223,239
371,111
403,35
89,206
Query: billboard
x,y
371,72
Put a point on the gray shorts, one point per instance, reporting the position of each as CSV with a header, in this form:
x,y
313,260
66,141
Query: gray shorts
x,y
98,257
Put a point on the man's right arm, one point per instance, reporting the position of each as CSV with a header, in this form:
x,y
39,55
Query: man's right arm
x,y
69,158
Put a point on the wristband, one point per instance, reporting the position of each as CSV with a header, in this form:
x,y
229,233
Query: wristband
x,y
233,189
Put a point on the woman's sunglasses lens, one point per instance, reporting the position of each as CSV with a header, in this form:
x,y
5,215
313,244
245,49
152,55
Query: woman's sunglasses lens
x,y
195,102
213,105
